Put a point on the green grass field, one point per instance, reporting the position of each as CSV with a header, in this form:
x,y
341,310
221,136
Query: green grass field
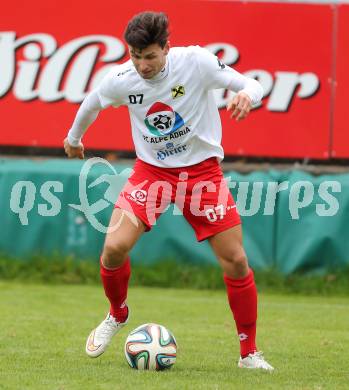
x,y
43,332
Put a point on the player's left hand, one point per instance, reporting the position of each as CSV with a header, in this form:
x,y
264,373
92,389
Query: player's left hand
x,y
240,105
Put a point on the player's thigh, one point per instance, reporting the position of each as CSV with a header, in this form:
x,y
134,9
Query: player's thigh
x,y
124,230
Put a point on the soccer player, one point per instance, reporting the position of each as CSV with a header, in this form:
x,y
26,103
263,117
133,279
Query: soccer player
x,y
176,131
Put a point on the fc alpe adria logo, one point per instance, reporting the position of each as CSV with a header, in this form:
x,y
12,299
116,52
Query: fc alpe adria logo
x,y
162,120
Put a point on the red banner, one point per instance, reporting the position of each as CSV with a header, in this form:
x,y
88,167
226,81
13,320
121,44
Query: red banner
x,y
341,115
49,60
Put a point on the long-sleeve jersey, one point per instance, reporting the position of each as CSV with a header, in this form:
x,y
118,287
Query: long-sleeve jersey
x,y
174,118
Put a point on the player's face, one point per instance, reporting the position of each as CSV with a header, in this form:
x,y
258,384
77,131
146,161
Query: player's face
x,y
149,61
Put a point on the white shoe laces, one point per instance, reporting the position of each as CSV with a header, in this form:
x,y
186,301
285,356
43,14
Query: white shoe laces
x,y
261,362
108,327
259,355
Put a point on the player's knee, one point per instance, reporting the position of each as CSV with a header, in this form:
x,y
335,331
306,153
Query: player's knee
x,y
236,256
235,263
114,255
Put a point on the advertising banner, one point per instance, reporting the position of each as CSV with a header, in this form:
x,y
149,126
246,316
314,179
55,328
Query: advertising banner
x,y
52,53
340,146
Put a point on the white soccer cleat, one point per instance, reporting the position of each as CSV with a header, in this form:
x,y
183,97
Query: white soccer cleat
x,y
99,339
255,360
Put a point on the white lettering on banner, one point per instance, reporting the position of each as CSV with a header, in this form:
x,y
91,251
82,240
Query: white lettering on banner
x,y
281,90
33,80
75,61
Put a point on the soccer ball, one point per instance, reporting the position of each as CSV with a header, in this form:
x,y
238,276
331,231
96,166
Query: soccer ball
x,y
150,347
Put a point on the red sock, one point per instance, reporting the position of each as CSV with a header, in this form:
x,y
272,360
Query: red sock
x,y
242,297
115,282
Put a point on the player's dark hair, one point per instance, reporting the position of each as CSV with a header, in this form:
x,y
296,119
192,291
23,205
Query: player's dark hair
x,y
146,29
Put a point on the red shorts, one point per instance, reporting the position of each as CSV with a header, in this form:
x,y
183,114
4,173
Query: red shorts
x,y
199,191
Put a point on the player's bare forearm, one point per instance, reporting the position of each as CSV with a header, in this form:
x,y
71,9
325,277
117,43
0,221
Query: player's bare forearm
x,y
240,106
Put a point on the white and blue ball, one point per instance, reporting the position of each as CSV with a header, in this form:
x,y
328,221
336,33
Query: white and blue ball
x,y
151,347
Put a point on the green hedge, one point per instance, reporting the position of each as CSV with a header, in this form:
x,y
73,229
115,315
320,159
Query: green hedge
x,y
172,274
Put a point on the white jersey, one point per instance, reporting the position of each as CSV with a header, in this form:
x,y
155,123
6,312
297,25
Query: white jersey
x,y
174,117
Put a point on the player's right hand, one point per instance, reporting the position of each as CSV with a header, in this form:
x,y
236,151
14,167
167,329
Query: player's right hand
x,y
74,151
